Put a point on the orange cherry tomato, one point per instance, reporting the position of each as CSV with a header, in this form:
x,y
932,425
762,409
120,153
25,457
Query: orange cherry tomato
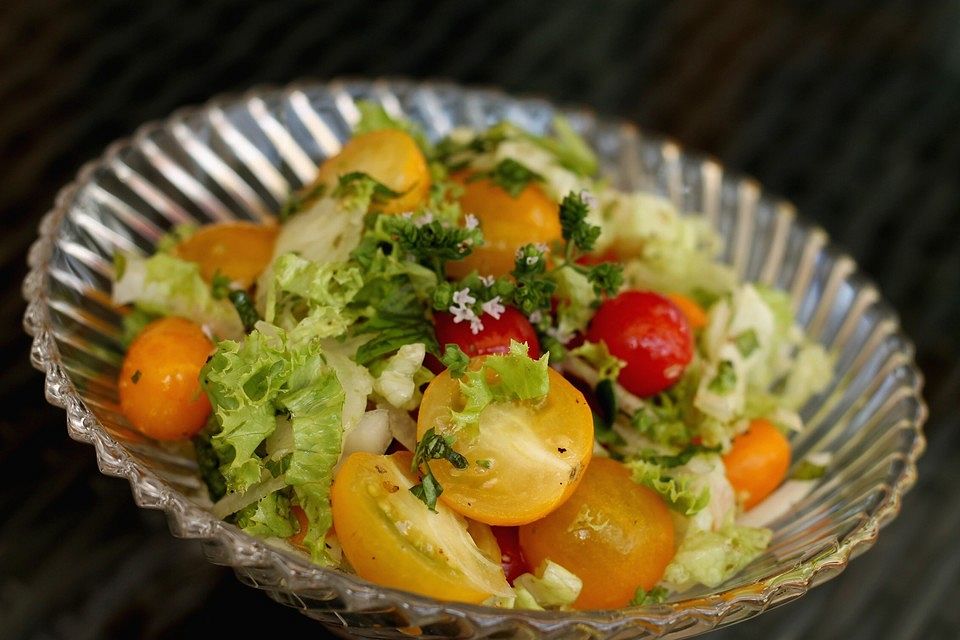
x,y
389,156
614,534
532,457
159,382
694,313
758,462
507,223
391,538
237,250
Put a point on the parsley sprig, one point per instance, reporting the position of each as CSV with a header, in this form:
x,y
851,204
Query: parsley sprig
x,y
433,446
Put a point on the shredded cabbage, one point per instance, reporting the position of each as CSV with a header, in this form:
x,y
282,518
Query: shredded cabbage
x,y
552,587
712,557
168,286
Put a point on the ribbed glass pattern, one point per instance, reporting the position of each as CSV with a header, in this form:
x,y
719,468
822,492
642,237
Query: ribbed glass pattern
x,y
239,157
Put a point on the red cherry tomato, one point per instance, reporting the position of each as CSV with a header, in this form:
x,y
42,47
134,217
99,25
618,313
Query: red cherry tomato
x,y
650,334
511,556
495,336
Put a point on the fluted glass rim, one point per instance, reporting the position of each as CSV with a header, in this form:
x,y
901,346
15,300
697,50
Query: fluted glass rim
x,y
278,570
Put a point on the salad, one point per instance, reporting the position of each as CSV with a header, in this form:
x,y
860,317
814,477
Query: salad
x,y
473,369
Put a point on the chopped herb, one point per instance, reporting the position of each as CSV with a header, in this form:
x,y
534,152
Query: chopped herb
x,y
358,185
577,232
807,470
534,288
219,286
681,458
509,175
657,595
607,400
245,309
135,378
432,242
428,490
725,380
747,342
484,464
433,446
455,360
606,278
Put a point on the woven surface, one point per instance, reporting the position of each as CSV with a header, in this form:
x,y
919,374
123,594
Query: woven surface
x,y
849,110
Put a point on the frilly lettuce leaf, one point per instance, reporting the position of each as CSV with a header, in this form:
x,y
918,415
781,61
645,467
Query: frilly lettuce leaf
x,y
675,491
608,366
517,377
268,517
249,384
167,286
313,293
711,557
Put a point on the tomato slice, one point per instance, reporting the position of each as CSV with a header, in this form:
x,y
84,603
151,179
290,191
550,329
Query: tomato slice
x,y
525,461
614,534
495,336
758,462
507,223
391,538
237,250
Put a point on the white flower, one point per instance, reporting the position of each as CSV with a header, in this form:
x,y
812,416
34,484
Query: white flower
x,y
536,316
542,247
471,221
588,198
476,325
559,336
406,215
461,314
462,297
494,307
532,260
426,218
487,281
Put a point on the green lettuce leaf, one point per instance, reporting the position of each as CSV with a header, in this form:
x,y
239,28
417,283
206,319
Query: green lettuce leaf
x,y
398,381
608,366
712,557
163,285
552,587
518,377
249,384
314,399
675,491
268,517
318,293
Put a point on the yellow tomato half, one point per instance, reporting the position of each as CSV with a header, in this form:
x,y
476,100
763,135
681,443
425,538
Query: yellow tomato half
x,y
237,250
507,223
526,459
391,538
614,534
389,156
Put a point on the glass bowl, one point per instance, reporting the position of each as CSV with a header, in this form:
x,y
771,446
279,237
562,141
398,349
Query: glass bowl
x,y
239,157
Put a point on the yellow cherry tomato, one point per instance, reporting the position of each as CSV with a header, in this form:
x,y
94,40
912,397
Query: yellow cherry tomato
x,y
389,156
159,381
507,223
614,534
391,538
482,534
758,462
237,250
525,461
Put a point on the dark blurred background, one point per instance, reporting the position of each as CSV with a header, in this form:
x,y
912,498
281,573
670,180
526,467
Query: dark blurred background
x,y
849,108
